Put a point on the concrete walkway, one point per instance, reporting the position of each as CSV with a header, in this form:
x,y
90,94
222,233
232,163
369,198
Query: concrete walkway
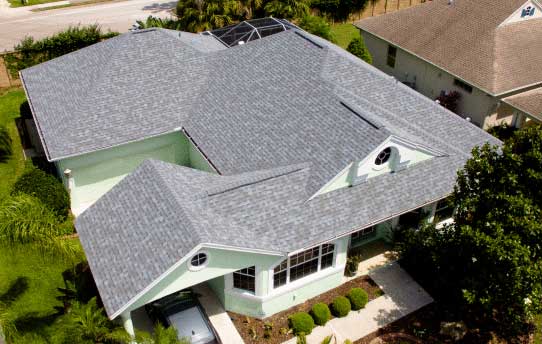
x,y
402,297
218,317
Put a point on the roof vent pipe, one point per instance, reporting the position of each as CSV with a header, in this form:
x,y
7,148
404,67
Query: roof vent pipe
x,y
450,2
241,42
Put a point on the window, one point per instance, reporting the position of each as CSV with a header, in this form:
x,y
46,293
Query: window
x,y
443,211
199,260
280,274
327,256
392,55
383,157
362,234
527,11
245,279
462,85
303,264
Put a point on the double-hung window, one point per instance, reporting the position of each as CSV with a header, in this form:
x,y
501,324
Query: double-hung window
x,y
303,264
363,234
245,279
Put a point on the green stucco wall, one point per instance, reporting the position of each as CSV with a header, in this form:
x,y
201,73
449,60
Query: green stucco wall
x,y
96,173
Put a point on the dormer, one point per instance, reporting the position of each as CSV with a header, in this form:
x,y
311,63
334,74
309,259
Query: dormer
x,y
530,10
391,156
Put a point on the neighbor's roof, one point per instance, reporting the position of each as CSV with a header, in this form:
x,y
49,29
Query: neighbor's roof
x,y
529,102
279,117
465,39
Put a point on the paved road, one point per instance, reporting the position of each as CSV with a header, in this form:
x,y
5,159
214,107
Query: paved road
x,y
16,23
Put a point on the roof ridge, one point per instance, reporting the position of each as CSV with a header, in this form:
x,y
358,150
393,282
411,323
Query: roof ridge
x,y
290,169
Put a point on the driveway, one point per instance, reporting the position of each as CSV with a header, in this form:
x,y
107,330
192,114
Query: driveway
x,y
16,23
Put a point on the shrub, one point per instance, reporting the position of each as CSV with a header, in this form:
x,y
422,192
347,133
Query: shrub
x,y
5,144
301,338
317,26
301,322
30,52
358,298
46,188
320,313
341,306
357,47
352,263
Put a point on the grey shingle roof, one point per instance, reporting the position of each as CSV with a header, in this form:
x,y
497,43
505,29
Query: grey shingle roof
x,y
466,39
272,120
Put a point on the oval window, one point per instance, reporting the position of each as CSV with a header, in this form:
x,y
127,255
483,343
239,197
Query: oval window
x,y
198,260
383,157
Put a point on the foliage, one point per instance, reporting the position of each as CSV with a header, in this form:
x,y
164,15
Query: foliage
x,y
161,335
347,341
328,339
5,144
287,9
341,306
46,188
25,221
7,325
503,131
488,262
10,101
201,15
357,47
321,313
87,323
449,100
317,26
165,23
30,52
352,263
301,338
339,10
301,322
358,298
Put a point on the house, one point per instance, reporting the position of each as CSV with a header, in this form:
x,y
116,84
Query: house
x,y
253,168
488,51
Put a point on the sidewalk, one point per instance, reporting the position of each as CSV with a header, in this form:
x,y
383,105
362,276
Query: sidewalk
x,y
402,297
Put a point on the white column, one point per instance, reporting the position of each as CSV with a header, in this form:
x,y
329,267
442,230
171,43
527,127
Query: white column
x,y
127,323
432,212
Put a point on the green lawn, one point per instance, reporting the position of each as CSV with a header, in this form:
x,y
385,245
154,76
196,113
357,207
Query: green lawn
x,y
18,3
9,110
344,33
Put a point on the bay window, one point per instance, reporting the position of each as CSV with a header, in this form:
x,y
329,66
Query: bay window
x,y
303,264
245,279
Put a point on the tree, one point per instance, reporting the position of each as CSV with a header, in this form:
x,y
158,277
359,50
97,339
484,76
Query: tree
x,y
166,23
87,323
5,144
25,221
488,262
287,9
339,9
201,15
317,26
357,47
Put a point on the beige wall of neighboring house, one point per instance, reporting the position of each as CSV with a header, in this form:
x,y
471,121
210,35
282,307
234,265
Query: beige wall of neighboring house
x,y
430,80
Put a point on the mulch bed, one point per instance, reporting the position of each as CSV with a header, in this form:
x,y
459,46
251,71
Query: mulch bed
x,y
424,324
252,329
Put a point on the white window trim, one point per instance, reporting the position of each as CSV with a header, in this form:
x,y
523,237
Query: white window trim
x,y
199,267
304,280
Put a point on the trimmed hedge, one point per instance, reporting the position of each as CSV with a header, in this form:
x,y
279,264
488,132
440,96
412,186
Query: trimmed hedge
x,y
358,298
301,322
320,313
46,188
341,306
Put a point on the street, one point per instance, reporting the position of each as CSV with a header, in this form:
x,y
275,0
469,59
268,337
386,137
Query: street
x,y
16,23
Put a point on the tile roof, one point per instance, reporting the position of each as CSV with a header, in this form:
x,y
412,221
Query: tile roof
x,y
467,40
529,102
272,118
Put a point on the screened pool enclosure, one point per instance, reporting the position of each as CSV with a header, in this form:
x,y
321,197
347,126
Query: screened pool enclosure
x,y
250,30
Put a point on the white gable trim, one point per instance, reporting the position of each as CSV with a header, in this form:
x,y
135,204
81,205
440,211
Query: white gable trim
x,y
510,19
183,260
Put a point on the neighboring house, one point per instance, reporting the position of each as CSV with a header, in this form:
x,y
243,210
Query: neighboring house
x,y
278,157
487,50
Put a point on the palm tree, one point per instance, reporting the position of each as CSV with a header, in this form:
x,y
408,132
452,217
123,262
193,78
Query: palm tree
x,y
87,323
248,7
161,335
167,23
201,15
287,9
25,221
